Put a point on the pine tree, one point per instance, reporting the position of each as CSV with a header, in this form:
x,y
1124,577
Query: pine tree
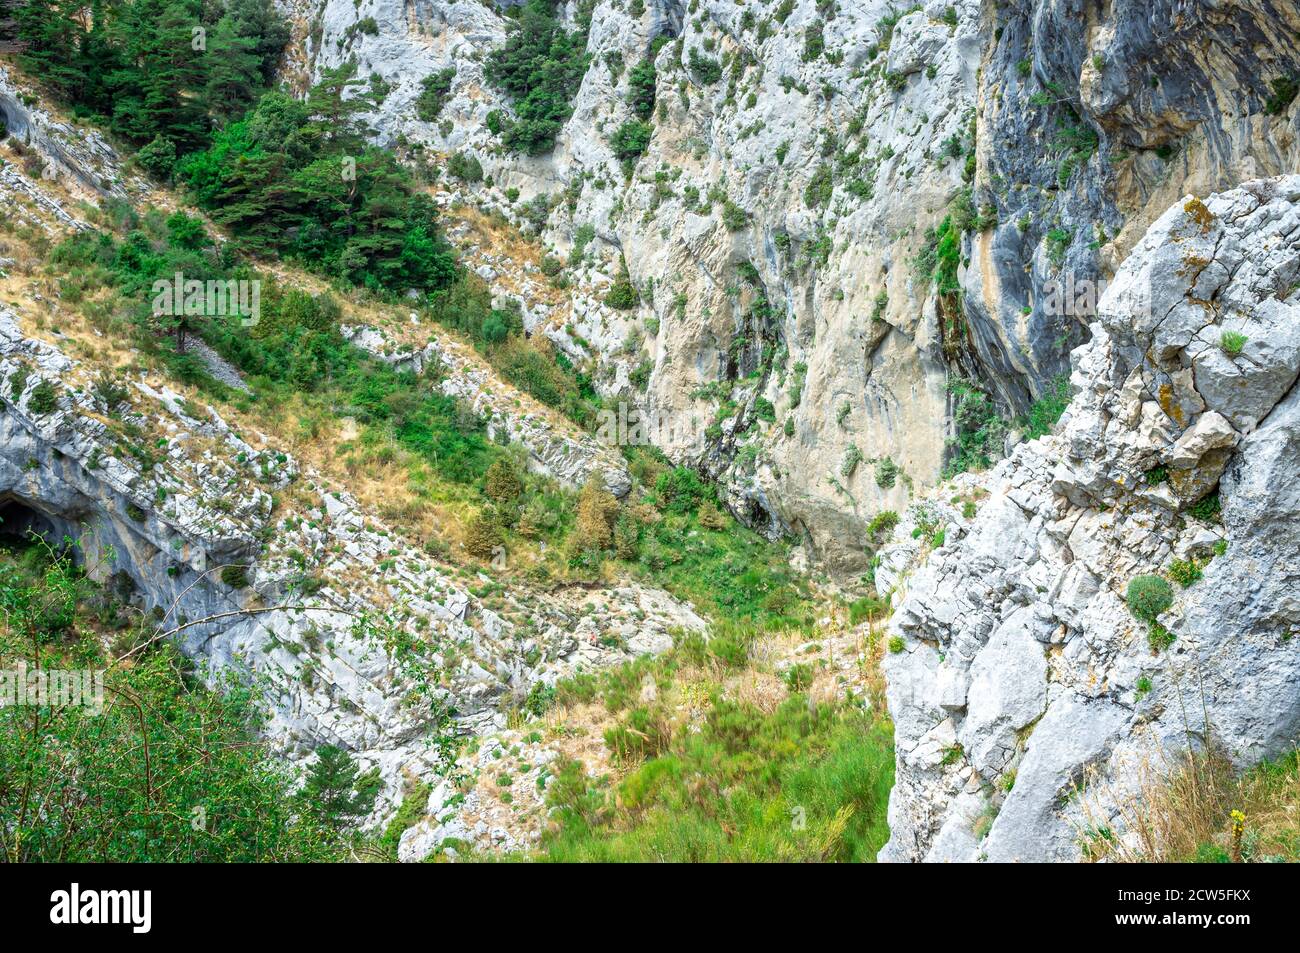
x,y
627,538
264,24
51,33
336,791
159,89
501,483
234,70
483,536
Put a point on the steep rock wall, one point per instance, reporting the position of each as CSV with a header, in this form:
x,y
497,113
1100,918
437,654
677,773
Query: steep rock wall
x,y
842,135
1021,677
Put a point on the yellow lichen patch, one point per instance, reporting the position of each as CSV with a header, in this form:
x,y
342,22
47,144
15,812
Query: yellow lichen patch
x,y
1165,397
1199,214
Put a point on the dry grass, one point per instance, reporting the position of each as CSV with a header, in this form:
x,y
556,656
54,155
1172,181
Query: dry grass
x,y
762,690
1181,808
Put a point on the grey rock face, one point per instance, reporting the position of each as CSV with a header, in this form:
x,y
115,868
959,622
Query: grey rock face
x,y
803,319
1051,120
80,158
1021,659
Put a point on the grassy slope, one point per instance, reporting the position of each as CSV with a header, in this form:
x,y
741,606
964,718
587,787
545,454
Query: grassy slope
x,y
746,746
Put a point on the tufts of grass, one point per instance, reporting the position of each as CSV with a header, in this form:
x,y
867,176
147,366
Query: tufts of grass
x,y
1232,342
1194,807
798,784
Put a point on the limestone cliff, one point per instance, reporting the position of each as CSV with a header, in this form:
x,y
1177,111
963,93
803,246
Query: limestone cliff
x,y
1025,692
841,212
787,340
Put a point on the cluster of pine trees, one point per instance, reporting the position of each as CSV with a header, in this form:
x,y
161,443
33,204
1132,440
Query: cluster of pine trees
x,y
298,178
540,67
189,83
161,72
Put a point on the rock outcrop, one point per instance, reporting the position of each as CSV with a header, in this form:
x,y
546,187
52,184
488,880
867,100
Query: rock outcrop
x,y
1025,687
309,599
79,159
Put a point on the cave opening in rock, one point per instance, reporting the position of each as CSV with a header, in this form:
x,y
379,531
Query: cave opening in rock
x,y
21,523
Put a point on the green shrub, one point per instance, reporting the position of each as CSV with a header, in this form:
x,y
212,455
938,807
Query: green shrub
x,y
540,66
1156,476
640,376
820,187
540,699
1207,509
814,42
631,139
414,802
465,167
1184,572
981,430
849,465
1047,409
1148,596
734,218
1158,637
622,294
434,90
158,158
1210,853
886,473
882,524
235,576
799,677
896,644
680,490
641,89
707,71
866,608
1058,242
1285,89
502,484
43,399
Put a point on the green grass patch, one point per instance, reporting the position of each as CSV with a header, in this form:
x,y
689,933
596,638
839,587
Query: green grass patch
x,y
800,784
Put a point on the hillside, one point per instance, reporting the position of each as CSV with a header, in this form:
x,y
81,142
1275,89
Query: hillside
x,y
646,430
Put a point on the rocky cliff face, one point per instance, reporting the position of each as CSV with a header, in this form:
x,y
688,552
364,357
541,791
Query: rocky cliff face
x,y
1025,687
774,222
